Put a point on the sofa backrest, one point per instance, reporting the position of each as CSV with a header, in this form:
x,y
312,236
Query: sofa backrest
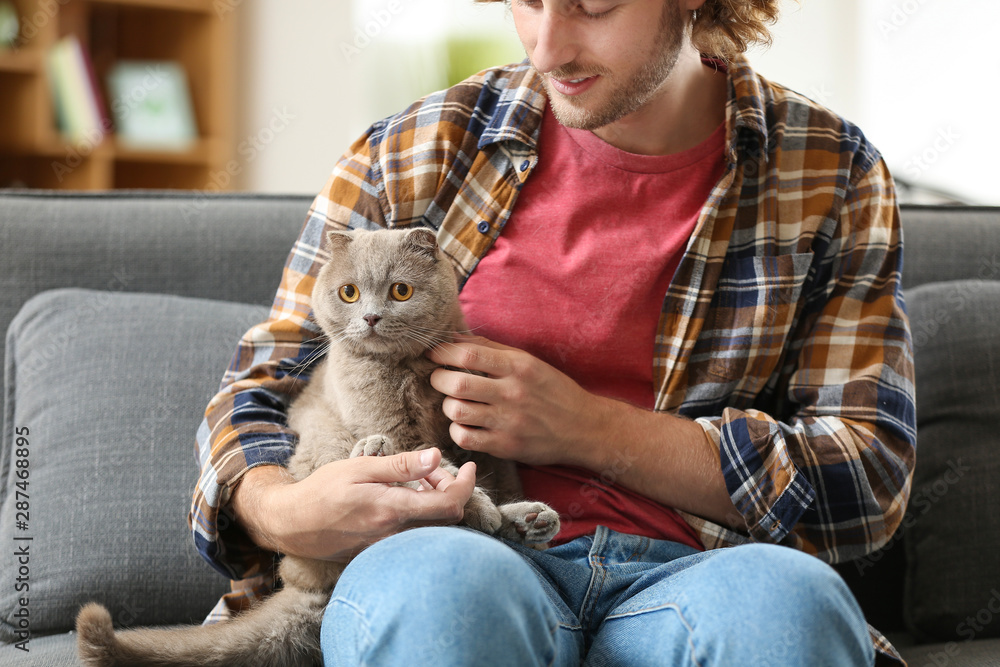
x,y
228,247
945,243
231,247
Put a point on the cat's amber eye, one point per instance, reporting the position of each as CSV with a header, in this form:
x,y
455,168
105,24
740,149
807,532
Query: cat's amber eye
x,y
349,293
401,291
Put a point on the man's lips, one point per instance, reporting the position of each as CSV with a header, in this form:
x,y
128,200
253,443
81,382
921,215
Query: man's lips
x,y
572,85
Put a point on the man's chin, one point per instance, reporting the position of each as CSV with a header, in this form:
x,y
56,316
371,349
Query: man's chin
x,y
576,117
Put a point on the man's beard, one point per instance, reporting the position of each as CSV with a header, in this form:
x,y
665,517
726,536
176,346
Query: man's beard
x,y
633,93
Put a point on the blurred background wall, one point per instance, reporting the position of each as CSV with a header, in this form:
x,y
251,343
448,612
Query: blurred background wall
x,y
914,74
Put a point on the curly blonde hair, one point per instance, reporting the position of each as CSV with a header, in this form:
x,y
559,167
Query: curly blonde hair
x,y
727,28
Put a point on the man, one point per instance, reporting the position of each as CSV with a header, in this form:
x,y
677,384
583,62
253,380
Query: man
x,y
686,285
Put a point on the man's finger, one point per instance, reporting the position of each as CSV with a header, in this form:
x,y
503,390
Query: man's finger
x,y
461,484
437,476
472,356
481,340
443,504
405,467
464,386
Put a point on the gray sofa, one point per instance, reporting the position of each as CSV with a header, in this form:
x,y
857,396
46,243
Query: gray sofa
x,y
122,311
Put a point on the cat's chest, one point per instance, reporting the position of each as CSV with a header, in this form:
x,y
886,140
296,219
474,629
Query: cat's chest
x,y
393,400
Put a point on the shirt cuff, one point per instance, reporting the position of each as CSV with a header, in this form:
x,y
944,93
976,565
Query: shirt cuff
x,y
766,487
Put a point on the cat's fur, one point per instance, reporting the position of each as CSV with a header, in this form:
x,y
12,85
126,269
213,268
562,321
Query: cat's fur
x,y
370,396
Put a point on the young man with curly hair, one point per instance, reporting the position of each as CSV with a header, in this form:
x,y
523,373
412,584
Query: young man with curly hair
x,y
685,284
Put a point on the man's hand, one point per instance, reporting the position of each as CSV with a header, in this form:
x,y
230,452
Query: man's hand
x,y
524,409
345,506
528,411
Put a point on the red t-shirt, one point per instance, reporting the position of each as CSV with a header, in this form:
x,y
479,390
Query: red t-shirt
x,y
577,278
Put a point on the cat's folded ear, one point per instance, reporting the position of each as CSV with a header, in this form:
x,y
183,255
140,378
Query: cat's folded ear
x,y
423,240
338,240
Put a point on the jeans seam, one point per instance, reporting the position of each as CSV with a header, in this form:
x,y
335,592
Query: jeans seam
x,y
680,615
554,642
365,626
645,544
592,596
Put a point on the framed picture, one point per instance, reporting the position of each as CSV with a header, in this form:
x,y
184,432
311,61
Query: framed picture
x,y
151,104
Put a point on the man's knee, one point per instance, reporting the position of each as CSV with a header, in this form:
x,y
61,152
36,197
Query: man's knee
x,y
452,566
436,556
437,591
787,604
788,569
795,590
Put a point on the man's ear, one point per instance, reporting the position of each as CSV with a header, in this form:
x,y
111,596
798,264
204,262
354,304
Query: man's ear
x,y
423,241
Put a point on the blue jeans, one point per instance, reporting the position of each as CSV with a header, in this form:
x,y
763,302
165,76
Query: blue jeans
x,y
452,596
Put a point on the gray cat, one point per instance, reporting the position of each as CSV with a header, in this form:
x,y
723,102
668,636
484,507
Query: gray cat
x,y
382,300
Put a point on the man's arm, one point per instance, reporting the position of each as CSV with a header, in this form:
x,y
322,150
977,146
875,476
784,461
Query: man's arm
x,y
531,412
348,505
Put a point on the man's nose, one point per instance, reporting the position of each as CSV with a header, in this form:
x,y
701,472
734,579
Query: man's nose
x,y
555,42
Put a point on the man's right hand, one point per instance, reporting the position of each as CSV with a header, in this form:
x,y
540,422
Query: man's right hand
x,y
345,506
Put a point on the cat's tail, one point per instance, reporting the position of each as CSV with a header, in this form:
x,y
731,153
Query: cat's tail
x,y
281,631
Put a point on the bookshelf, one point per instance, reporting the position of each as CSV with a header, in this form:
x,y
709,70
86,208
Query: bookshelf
x,y
193,33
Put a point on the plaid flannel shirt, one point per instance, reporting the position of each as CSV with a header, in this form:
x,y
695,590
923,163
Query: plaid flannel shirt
x,y
783,332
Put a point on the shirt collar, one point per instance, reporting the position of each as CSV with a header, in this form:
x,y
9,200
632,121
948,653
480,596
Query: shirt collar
x,y
746,114
517,96
518,99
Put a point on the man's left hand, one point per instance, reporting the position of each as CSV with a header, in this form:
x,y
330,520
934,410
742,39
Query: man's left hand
x,y
523,409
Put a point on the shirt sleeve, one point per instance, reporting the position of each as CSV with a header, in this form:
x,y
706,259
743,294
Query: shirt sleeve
x,y
245,423
828,470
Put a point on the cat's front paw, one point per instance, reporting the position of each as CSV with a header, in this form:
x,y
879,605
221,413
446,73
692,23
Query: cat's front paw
x,y
481,513
373,445
528,522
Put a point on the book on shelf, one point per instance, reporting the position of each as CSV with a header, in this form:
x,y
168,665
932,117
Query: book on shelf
x,y
80,112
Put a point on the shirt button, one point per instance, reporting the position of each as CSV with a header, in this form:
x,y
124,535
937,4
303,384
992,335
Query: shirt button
x,y
525,165
483,227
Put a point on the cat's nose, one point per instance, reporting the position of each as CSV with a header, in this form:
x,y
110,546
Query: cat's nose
x,y
372,320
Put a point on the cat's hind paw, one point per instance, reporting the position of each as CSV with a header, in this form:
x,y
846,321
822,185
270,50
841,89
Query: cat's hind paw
x,y
373,445
528,522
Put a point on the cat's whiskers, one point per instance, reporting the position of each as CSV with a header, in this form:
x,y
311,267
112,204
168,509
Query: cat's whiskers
x,y
318,353
310,359
430,339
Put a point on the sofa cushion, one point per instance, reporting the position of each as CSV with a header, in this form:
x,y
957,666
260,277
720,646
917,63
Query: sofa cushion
x,y
953,526
108,391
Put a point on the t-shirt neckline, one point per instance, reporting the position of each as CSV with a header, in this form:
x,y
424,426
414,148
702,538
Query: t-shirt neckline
x,y
598,149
